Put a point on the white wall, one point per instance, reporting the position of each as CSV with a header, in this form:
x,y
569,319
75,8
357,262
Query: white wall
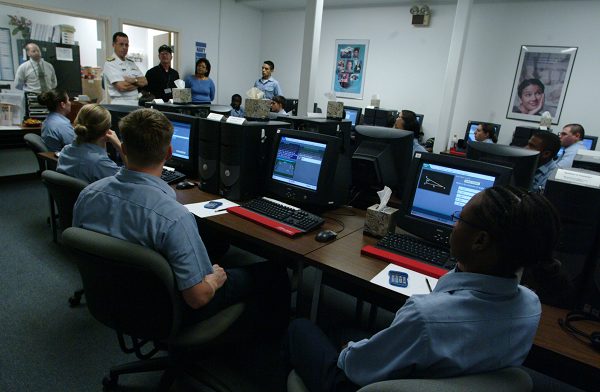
x,y
496,33
406,64
235,32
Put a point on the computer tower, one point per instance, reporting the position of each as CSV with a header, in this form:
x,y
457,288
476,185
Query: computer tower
x,y
209,134
244,151
577,249
589,160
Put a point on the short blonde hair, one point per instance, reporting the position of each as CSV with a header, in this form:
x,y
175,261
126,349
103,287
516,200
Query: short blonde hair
x,y
147,136
91,123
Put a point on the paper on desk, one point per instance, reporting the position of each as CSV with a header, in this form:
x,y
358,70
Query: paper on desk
x,y
201,212
416,281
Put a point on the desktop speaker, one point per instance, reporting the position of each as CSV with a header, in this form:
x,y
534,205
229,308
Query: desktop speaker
x,y
209,133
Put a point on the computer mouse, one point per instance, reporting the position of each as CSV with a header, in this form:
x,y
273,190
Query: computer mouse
x,y
185,185
325,235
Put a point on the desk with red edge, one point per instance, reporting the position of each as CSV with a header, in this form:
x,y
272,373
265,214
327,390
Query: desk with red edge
x,y
554,352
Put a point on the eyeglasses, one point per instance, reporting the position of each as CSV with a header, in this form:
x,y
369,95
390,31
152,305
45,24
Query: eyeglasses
x,y
456,217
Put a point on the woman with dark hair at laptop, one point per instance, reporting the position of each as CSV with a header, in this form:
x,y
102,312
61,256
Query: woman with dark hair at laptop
x,y
86,157
477,319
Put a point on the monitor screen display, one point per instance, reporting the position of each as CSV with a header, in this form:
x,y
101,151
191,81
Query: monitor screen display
x,y
298,162
472,127
443,190
181,139
351,115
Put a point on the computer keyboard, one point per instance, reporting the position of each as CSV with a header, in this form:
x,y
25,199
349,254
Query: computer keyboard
x,y
278,216
171,176
412,253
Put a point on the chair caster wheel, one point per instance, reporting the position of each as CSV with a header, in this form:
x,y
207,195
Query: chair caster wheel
x,y
110,382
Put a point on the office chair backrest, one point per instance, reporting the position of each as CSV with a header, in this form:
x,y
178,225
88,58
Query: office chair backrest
x,y
511,379
128,287
65,191
36,144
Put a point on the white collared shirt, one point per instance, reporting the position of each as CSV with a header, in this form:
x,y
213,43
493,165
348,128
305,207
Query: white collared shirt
x,y
27,78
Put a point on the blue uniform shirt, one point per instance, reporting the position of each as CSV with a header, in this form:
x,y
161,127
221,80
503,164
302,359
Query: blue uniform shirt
x,y
270,87
566,160
541,175
142,209
470,323
86,161
57,131
237,113
417,147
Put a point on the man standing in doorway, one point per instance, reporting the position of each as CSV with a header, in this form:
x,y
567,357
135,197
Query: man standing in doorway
x,y
161,78
35,75
267,84
122,77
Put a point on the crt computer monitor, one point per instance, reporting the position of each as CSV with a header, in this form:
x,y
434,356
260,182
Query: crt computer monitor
x,y
184,143
472,126
382,157
306,168
440,185
353,114
420,119
521,160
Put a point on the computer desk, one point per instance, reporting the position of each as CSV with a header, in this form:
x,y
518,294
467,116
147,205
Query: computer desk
x,y
555,352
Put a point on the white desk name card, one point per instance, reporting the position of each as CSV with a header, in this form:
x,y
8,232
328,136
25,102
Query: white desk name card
x,y
578,178
236,120
214,117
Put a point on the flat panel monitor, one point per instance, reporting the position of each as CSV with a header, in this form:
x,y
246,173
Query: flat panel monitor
x,y
472,127
306,168
440,185
353,114
382,158
184,143
521,160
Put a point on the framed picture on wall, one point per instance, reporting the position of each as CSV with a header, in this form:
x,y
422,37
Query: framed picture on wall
x,y
349,68
541,81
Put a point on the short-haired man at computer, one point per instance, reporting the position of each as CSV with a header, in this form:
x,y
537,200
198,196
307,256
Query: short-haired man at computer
x,y
571,138
138,206
548,145
267,83
407,120
477,319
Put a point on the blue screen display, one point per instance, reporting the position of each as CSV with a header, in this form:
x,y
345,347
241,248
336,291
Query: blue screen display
x,y
298,162
351,115
442,190
181,139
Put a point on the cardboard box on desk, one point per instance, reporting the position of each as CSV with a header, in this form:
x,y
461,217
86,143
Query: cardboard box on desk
x,y
379,223
182,95
93,89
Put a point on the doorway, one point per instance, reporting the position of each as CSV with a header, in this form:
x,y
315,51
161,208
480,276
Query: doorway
x,y
144,42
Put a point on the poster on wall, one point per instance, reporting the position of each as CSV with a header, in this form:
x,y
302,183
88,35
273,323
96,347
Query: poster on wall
x,y
350,68
200,51
541,81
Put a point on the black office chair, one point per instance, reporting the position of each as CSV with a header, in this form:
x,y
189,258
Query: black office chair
x,y
36,144
63,192
512,379
132,289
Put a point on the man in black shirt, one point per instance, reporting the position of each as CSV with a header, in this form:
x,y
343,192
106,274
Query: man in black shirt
x,y
161,78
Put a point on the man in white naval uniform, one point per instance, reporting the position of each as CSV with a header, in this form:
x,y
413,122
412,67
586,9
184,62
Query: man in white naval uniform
x,y
122,77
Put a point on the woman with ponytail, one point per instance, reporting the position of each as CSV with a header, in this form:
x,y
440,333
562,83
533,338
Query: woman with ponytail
x,y
57,131
86,157
477,319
